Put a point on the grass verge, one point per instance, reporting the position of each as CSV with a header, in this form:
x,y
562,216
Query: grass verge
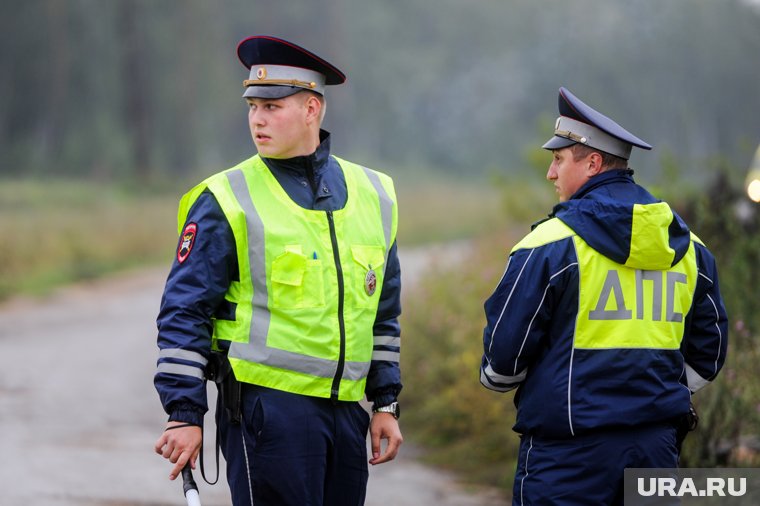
x,y
462,426
59,231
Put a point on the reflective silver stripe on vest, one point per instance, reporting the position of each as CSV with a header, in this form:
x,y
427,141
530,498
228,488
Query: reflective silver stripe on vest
x,y
256,263
256,349
386,205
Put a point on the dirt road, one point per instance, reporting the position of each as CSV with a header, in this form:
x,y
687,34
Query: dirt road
x,y
79,415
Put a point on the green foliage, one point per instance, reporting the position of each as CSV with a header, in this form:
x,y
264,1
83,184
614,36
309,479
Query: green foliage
x,y
462,425
444,210
729,409
527,196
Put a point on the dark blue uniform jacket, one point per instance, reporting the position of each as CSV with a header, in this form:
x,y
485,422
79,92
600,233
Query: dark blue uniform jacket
x,y
529,340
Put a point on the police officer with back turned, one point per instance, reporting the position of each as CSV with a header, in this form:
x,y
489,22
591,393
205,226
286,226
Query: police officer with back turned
x,y
607,319
285,291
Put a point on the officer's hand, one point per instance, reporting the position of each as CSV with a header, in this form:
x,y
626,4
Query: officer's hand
x,y
180,446
384,426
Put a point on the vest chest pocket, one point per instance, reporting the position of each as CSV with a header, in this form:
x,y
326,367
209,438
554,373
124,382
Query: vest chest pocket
x,y
297,281
366,275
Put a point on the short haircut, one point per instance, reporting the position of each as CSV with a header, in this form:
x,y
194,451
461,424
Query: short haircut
x,y
608,161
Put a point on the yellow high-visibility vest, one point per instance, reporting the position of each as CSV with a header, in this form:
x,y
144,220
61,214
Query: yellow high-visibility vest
x,y
620,306
310,280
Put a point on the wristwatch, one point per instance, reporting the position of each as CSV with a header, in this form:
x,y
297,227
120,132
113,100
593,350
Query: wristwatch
x,y
392,408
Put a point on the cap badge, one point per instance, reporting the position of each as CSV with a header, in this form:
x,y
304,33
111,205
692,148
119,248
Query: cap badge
x,y
261,73
370,282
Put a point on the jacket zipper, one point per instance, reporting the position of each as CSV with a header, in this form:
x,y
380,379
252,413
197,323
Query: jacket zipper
x,y
341,322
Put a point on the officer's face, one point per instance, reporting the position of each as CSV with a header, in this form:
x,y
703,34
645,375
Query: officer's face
x,y
282,127
567,173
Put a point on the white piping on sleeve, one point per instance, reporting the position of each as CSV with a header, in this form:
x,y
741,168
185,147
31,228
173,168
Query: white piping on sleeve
x,y
509,297
720,336
541,303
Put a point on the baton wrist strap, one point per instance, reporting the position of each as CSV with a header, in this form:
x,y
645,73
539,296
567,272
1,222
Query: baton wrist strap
x,y
181,426
216,452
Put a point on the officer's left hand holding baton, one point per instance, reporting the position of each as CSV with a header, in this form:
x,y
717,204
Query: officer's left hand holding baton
x,y
181,444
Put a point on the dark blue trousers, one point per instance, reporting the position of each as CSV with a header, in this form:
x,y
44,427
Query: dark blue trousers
x,y
588,469
295,450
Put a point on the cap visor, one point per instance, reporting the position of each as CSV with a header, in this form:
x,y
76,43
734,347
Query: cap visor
x,y
270,91
558,143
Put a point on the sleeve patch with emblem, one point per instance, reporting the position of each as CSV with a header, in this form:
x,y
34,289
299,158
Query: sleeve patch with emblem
x,y
187,240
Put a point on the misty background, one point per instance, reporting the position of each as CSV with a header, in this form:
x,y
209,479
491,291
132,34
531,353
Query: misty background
x,y
123,89
111,109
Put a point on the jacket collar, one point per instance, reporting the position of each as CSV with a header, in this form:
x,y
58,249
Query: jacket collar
x,y
607,177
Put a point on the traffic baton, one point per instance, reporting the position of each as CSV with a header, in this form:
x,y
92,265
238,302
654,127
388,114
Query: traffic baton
x,y
190,488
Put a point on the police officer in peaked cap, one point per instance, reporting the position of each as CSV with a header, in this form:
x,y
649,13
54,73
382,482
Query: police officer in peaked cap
x,y
606,321
285,291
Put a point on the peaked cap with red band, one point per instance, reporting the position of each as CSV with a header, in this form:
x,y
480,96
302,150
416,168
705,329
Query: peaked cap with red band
x,y
279,68
579,123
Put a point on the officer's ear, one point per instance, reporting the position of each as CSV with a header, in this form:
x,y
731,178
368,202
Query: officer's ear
x,y
314,105
594,161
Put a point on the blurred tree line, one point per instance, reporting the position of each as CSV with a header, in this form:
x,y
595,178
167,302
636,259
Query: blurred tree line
x,y
129,89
